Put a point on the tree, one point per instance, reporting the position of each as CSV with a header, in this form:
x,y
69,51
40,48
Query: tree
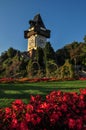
x,y
3,56
60,56
51,69
33,68
49,55
49,52
75,52
40,56
67,70
83,55
11,52
84,39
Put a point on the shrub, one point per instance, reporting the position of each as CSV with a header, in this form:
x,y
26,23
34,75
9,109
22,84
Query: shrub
x,y
60,110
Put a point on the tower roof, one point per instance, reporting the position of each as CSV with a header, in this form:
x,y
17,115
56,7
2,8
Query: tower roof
x,y
37,27
37,21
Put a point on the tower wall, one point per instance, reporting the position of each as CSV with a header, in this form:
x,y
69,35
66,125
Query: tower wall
x,y
37,34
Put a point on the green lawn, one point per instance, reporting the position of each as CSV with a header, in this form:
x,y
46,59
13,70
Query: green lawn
x,y
10,92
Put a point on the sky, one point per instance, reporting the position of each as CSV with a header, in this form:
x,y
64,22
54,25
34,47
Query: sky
x,y
65,18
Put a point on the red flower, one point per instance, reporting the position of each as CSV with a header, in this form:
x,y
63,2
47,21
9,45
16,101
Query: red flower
x,y
14,115
8,113
71,123
58,111
18,102
23,126
81,97
29,108
54,118
32,98
45,105
7,110
81,104
65,98
79,124
28,117
18,105
35,119
64,107
83,91
14,123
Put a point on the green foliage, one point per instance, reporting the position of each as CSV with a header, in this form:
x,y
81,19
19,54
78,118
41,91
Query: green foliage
x,y
11,52
40,56
49,53
67,70
44,62
84,38
33,68
3,56
61,56
73,52
51,68
12,64
83,55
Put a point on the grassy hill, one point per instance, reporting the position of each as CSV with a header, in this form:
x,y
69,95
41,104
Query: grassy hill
x,y
44,62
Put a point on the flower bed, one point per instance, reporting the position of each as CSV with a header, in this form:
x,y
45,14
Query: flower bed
x,y
59,111
23,80
7,80
82,78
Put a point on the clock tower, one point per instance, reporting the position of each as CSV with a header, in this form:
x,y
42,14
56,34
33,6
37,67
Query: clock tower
x,y
37,33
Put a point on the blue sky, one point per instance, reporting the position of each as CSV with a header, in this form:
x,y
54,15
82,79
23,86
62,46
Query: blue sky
x,y
65,18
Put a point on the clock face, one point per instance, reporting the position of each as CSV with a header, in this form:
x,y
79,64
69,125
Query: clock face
x,y
36,41
40,42
31,42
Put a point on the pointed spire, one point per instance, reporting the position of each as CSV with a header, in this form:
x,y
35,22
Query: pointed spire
x,y
37,21
37,27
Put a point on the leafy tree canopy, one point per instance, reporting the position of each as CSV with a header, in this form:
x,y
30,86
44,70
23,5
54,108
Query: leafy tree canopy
x,y
45,61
